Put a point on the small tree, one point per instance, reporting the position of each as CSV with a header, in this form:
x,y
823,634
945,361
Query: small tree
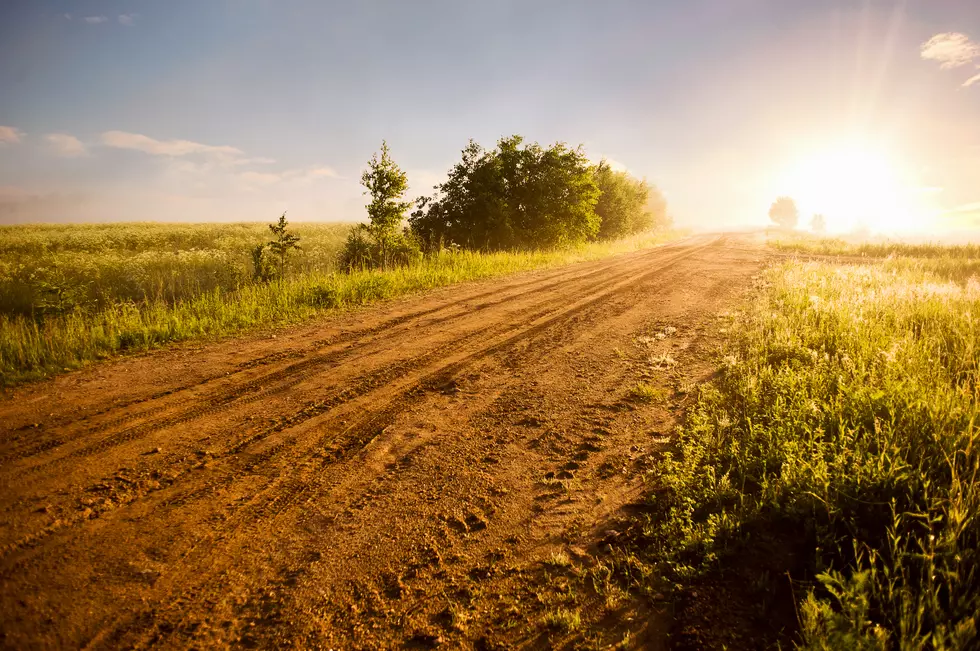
x,y
818,224
387,184
784,212
283,243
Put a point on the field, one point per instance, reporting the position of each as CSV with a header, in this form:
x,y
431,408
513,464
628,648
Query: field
x,y
835,462
708,444
73,294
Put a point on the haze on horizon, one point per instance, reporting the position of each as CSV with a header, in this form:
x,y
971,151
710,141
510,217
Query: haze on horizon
x,y
867,111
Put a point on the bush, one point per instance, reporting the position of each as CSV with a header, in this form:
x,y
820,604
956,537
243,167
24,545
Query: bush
x,y
627,205
363,251
513,197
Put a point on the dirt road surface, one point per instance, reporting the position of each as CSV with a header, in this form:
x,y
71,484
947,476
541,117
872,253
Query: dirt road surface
x,y
409,475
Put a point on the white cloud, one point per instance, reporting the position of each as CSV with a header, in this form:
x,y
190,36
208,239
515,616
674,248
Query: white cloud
x,y
950,49
10,135
172,148
95,20
127,19
972,80
303,175
65,145
256,160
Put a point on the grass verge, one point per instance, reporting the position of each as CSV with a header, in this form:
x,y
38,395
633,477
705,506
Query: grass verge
x,y
34,348
836,460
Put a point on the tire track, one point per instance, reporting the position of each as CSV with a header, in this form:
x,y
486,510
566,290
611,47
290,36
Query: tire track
x,y
298,371
345,445
382,377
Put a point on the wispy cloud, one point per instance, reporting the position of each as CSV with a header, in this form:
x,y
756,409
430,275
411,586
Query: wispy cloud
x,y
95,20
127,19
301,175
10,135
951,50
171,148
65,145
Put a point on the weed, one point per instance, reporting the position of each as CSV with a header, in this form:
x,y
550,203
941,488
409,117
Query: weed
x,y
563,619
844,427
559,559
647,393
662,362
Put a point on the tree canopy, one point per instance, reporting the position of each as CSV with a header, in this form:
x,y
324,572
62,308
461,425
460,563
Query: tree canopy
x,y
515,196
627,205
386,183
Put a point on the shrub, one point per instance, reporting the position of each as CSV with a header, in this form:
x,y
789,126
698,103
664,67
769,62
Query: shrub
x,y
627,205
364,251
513,197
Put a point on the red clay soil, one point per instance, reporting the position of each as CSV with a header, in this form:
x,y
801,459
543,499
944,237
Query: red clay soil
x,y
411,475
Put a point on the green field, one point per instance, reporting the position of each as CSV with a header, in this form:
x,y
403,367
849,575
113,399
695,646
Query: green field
x,y
837,456
72,294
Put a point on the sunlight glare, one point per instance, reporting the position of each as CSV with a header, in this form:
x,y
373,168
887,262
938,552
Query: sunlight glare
x,y
855,188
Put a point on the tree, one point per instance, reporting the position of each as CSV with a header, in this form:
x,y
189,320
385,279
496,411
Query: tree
x,y
818,223
283,243
627,205
784,212
387,184
514,196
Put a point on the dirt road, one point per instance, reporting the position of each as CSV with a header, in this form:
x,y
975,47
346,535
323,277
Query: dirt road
x,y
409,475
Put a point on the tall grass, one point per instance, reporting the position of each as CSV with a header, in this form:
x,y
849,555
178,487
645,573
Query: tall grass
x,y
803,243
33,345
57,268
841,446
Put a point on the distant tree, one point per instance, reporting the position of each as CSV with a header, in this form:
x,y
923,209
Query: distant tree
x,y
282,244
784,212
515,196
387,184
626,205
818,224
656,208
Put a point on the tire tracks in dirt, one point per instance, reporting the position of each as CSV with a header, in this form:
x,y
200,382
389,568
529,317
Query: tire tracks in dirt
x,y
310,464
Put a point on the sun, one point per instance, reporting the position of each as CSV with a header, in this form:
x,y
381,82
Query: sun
x,y
855,187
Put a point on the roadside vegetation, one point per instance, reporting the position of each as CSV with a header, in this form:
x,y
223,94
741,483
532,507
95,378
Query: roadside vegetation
x,y
802,243
834,464
76,293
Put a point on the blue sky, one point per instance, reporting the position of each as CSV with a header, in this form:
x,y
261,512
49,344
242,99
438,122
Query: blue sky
x,y
226,110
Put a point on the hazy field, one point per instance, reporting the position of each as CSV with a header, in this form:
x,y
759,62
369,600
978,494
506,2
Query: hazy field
x,y
69,294
839,449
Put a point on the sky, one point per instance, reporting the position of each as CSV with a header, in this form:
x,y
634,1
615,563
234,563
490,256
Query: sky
x,y
235,110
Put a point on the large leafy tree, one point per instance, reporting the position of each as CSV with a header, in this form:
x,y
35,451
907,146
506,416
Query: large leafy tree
x,y
514,196
784,213
386,183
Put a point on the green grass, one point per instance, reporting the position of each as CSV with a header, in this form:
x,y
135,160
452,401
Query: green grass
x,y
563,619
131,287
53,269
804,243
840,446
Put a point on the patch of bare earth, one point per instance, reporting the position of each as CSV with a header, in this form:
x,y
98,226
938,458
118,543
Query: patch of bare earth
x,y
442,470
